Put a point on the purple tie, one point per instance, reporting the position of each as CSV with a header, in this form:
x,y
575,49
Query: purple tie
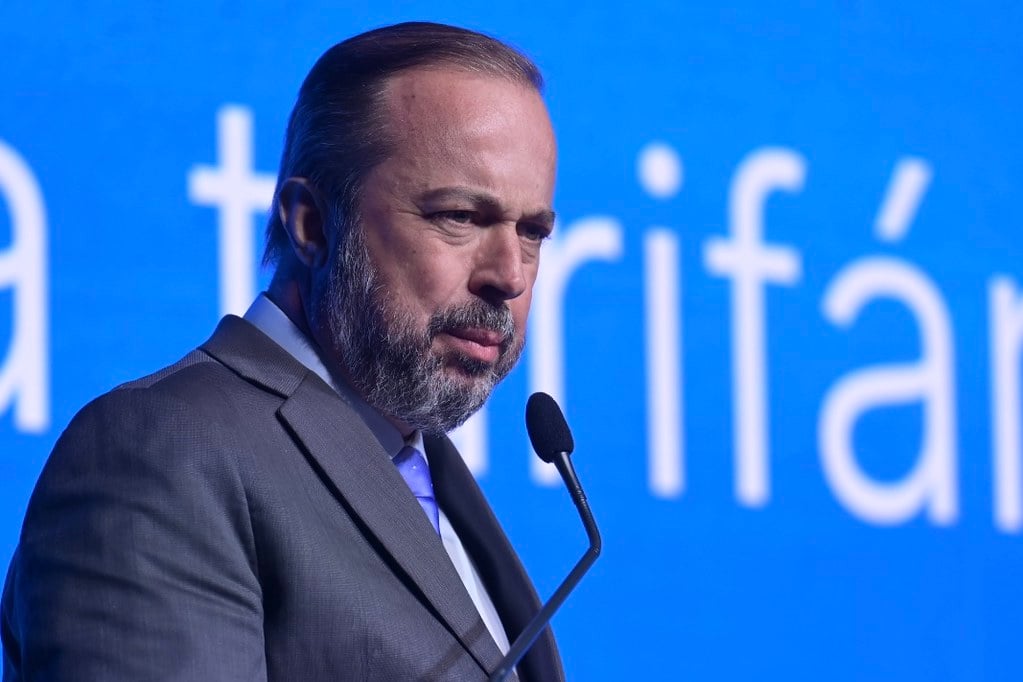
x,y
413,468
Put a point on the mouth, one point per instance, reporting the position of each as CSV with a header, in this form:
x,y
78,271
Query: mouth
x,y
484,345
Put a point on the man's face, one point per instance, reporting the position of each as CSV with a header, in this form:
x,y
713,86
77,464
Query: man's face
x,y
428,298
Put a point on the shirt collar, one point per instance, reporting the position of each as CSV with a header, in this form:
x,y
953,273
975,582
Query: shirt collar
x,y
272,321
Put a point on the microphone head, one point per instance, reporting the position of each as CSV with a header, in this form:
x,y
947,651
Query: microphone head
x,y
548,430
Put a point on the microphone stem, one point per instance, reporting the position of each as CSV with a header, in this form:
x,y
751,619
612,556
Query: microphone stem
x,y
540,621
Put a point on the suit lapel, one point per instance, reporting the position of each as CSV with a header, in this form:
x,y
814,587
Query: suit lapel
x,y
506,580
363,477
251,353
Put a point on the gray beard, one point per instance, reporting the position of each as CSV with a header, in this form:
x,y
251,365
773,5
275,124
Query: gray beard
x,y
388,358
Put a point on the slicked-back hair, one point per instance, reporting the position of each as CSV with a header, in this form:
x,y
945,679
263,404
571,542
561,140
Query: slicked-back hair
x,y
337,132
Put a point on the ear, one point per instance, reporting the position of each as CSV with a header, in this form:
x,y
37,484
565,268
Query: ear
x,y
304,216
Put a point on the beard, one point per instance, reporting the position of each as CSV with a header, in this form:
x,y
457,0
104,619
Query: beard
x,y
387,355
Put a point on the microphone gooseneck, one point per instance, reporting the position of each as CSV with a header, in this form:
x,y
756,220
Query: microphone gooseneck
x,y
552,440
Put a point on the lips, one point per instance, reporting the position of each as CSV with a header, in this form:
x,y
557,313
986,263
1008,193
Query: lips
x,y
482,344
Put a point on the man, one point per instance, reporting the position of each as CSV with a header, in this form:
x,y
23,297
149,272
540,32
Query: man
x,y
256,511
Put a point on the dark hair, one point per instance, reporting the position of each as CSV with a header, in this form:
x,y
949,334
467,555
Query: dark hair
x,y
337,134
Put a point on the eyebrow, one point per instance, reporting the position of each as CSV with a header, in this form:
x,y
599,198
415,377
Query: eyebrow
x,y
483,200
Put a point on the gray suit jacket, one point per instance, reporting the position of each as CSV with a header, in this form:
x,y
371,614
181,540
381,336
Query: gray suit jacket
x,y
230,518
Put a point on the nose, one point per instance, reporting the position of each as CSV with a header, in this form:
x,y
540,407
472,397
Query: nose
x,y
499,273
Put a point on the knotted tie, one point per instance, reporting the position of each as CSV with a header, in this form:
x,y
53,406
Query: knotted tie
x,y
413,468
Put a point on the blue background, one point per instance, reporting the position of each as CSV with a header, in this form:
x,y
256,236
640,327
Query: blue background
x,y
112,104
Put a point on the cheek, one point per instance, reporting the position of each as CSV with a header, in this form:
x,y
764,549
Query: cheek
x,y
520,311
440,275
427,285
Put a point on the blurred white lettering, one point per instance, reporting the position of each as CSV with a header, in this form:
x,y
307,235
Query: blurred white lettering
x,y
25,373
471,440
660,173
663,367
237,192
750,263
1006,311
587,239
932,482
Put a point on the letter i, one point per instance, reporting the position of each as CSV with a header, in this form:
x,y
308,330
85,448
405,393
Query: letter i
x,y
660,174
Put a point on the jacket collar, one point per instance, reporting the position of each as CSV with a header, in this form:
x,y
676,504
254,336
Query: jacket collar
x,y
362,476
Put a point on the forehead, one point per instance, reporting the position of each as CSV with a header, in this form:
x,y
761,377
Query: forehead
x,y
426,103
455,128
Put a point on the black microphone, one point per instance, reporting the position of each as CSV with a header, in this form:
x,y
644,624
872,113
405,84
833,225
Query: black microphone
x,y
553,442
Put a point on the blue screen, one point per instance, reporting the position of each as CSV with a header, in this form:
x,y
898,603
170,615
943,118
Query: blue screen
x,y
783,306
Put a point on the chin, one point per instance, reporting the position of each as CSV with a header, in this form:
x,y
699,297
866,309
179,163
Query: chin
x,y
467,368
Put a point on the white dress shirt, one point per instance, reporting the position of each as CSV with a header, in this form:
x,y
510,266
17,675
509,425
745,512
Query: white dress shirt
x,y
271,320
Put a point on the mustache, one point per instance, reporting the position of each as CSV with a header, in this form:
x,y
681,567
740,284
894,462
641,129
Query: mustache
x,y
474,315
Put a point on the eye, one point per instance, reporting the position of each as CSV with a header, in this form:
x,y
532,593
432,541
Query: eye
x,y
459,217
534,232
